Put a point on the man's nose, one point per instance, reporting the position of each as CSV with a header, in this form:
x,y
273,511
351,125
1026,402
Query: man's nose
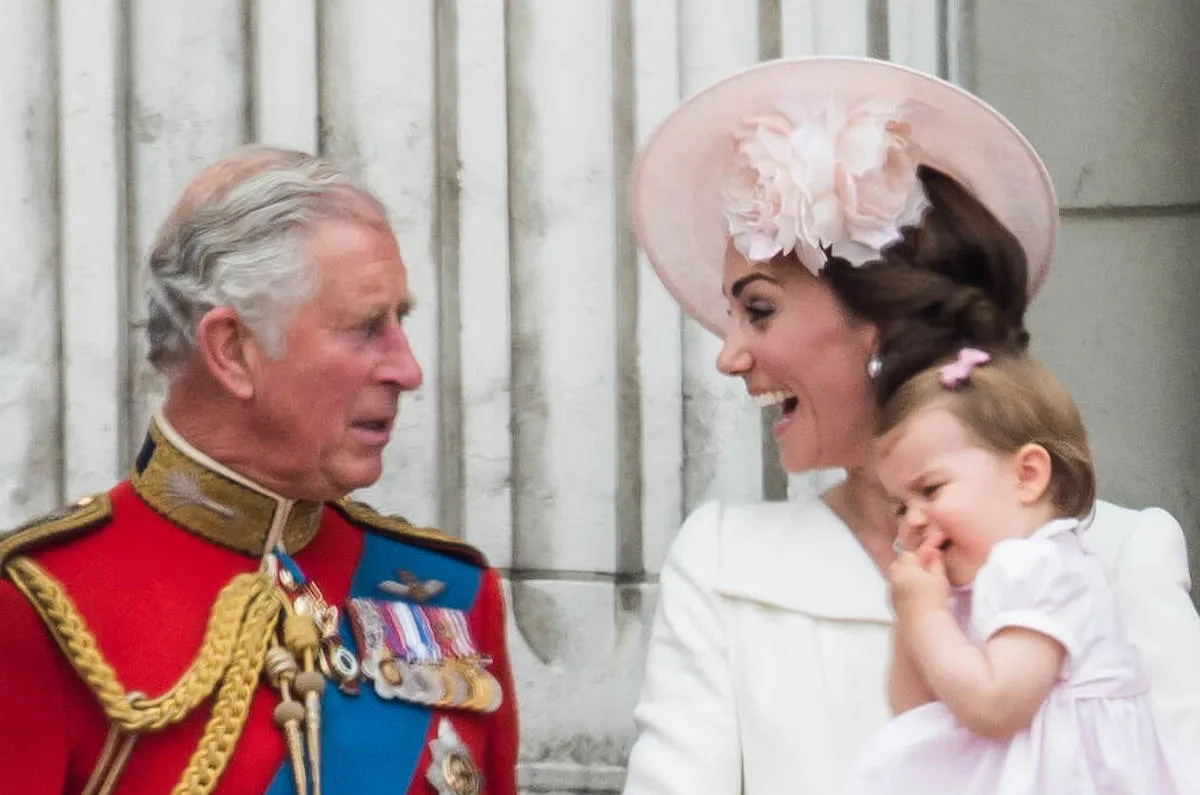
x,y
399,367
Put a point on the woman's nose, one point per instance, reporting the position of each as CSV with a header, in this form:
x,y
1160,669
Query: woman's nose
x,y
733,358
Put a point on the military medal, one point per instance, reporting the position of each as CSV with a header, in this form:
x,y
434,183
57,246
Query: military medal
x,y
422,654
337,663
451,769
421,681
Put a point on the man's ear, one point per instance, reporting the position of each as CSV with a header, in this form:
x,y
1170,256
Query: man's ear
x,y
1033,469
229,350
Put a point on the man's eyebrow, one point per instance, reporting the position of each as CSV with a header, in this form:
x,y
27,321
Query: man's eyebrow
x,y
737,287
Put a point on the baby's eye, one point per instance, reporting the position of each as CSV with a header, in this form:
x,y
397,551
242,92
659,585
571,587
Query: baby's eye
x,y
931,491
899,510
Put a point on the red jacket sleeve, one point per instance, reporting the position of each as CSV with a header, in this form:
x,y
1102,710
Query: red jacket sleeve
x,y
33,715
500,769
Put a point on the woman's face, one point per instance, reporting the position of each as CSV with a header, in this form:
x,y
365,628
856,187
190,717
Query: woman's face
x,y
790,340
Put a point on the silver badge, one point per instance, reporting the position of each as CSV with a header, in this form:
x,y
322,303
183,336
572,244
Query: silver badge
x,y
452,771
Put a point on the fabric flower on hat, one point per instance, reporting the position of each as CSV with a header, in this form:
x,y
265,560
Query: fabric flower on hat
x,y
823,175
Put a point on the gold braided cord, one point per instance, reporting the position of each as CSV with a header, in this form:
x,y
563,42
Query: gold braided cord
x,y
232,705
227,626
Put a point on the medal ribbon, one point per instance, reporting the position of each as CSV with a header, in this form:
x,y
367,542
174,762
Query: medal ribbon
x,y
461,633
417,642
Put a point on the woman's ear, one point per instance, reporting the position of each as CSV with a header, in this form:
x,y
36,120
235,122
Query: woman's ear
x,y
869,334
230,352
1033,469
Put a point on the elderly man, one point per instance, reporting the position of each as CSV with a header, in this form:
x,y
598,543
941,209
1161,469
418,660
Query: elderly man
x,y
225,620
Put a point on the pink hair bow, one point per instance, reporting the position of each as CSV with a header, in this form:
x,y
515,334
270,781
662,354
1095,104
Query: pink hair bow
x,y
958,371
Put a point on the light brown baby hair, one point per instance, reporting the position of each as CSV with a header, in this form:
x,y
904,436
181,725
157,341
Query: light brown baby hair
x,y
1009,402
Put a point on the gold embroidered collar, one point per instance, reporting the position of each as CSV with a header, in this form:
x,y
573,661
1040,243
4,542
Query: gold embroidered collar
x,y
212,501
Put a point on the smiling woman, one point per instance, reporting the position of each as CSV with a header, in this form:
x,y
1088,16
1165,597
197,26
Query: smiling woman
x,y
841,223
788,336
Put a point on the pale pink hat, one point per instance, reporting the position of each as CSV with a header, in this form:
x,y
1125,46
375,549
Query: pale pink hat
x,y
683,170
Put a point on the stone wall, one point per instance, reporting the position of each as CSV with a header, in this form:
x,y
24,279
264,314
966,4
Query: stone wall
x,y
570,416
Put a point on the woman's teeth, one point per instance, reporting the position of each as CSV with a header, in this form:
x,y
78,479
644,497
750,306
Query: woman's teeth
x,y
765,400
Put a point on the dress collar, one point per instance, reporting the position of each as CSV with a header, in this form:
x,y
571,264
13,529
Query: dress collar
x,y
1056,527
212,501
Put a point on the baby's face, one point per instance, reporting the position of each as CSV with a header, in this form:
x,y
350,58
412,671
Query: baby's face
x,y
949,490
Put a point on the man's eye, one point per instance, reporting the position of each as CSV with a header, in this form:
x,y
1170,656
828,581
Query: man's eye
x,y
374,327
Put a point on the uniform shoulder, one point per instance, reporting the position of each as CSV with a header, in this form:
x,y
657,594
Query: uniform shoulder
x,y
67,523
367,518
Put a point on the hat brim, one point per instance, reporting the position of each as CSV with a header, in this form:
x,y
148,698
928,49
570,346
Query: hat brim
x,y
677,202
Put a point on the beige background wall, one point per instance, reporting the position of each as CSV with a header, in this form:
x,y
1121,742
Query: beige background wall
x,y
1109,93
570,417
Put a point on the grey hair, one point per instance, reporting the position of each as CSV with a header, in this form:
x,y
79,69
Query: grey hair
x,y
239,243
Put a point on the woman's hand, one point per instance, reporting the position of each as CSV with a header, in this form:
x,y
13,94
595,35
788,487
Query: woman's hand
x,y
918,579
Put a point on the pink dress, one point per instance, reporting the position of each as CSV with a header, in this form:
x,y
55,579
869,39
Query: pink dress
x,y
1096,733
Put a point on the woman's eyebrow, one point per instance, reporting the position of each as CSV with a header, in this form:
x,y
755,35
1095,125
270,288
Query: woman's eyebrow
x,y
737,287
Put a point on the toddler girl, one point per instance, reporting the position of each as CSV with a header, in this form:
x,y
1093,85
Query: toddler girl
x,y
1011,673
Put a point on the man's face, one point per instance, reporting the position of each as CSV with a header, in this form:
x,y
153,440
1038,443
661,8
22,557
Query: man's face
x,y
327,406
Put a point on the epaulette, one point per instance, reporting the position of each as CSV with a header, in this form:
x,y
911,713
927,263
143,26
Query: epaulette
x,y
72,521
399,528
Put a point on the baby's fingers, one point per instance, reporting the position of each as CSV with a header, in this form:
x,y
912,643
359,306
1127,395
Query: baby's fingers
x,y
930,550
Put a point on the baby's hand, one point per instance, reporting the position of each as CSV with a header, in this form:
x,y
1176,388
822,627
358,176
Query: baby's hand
x,y
918,580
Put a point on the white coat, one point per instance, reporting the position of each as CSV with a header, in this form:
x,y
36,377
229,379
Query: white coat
x,y
768,658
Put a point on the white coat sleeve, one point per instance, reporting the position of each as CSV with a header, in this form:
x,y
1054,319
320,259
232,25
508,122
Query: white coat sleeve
x,y
688,739
1152,583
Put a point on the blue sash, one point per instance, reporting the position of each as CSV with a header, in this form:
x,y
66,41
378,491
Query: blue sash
x,y
370,745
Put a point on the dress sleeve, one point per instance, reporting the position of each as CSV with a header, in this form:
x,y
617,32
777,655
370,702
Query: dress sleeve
x,y
1029,583
33,718
1151,580
688,740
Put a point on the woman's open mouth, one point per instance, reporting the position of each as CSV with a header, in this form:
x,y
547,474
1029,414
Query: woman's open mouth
x,y
787,402
787,415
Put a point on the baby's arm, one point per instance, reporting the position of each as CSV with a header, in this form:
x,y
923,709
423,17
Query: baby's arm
x,y
906,688
994,691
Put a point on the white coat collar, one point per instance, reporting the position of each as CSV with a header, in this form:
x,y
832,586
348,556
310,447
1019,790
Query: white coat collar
x,y
799,556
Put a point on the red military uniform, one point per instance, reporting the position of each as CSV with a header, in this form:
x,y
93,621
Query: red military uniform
x,y
142,567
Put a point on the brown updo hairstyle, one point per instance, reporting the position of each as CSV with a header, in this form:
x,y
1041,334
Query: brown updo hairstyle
x,y
1006,404
957,279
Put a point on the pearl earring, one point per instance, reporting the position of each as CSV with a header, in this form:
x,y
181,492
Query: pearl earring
x,y
874,366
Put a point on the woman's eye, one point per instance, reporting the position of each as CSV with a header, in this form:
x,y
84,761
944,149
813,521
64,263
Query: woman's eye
x,y
758,311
